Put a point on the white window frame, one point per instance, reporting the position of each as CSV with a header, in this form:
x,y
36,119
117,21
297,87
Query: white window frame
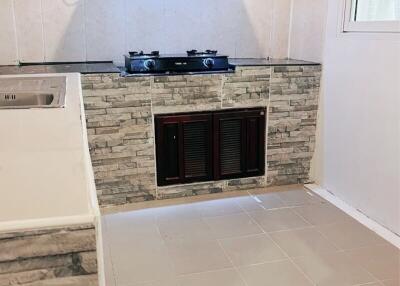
x,y
350,25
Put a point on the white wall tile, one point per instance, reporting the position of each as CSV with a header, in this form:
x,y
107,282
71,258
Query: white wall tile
x,y
239,28
308,29
222,29
105,30
8,45
64,30
186,25
281,26
253,39
29,26
145,22
95,30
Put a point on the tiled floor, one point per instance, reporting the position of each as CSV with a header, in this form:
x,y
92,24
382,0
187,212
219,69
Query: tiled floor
x,y
287,238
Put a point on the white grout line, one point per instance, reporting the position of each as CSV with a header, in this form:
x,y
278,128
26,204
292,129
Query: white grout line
x,y
283,251
256,199
233,264
85,49
15,32
289,49
263,232
345,251
356,214
42,26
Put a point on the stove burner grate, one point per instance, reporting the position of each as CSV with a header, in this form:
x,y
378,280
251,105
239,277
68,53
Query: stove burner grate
x,y
206,52
142,54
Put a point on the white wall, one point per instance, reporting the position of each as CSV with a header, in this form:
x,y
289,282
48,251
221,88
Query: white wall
x,y
8,45
307,29
358,145
80,30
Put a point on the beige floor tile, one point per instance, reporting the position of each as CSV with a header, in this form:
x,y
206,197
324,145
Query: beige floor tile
x,y
279,219
150,247
248,203
356,235
391,282
320,214
249,250
195,257
381,261
302,242
141,263
233,225
333,269
177,212
282,273
271,201
298,197
130,227
185,229
127,243
220,207
228,277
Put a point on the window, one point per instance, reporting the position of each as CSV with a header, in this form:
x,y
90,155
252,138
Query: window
x,y
372,16
220,145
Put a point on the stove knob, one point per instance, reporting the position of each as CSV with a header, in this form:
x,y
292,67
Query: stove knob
x,y
149,64
208,62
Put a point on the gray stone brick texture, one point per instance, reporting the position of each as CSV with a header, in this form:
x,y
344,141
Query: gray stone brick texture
x,y
120,110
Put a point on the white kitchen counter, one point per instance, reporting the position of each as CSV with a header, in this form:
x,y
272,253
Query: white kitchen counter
x,y
45,170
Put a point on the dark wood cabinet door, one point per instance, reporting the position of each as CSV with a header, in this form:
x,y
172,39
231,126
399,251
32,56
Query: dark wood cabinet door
x,y
184,148
239,144
255,144
229,145
167,151
210,146
197,147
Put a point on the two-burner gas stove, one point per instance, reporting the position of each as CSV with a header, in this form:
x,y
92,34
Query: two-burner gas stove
x,y
192,61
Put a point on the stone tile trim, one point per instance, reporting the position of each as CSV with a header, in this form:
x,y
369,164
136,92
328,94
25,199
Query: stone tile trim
x,y
120,110
52,255
292,123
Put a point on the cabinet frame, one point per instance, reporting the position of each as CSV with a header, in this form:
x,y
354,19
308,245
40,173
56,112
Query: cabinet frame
x,y
212,122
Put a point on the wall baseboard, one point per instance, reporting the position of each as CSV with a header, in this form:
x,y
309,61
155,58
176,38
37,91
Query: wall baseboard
x,y
382,231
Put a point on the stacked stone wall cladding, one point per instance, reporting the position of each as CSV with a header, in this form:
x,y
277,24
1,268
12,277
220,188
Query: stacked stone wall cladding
x,y
120,111
292,123
56,256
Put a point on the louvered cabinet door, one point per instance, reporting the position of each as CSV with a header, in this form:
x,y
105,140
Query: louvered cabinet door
x,y
184,148
167,151
197,147
239,144
255,143
229,145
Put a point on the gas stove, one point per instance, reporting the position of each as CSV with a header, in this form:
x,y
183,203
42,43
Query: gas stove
x,y
192,61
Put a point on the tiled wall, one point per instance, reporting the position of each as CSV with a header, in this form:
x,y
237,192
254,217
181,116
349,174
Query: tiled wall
x,y
120,112
54,256
79,30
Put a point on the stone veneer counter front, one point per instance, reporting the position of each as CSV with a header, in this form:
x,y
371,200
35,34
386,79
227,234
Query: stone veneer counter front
x,y
51,256
120,113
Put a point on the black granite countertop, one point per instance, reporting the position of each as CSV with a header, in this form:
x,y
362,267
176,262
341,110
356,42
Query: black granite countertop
x,y
269,62
109,67
84,68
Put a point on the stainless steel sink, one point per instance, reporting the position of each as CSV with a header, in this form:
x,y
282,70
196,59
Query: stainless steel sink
x,y
28,92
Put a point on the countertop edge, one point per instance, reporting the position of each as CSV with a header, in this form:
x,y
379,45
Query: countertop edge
x,y
110,68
